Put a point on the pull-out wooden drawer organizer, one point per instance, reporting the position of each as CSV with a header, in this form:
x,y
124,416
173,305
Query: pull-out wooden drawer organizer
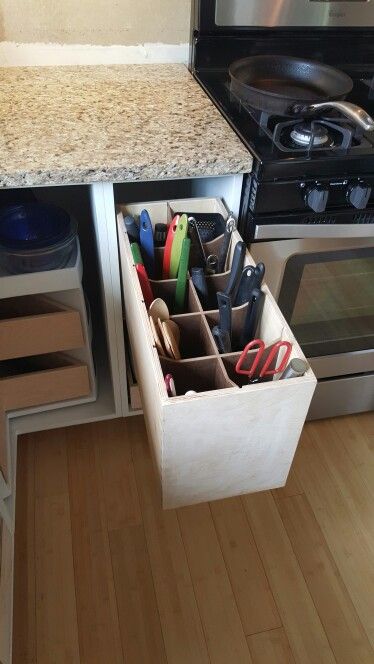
x,y
231,437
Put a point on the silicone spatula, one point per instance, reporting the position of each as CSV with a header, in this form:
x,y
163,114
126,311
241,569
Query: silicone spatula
x,y
146,242
136,255
180,291
176,249
168,246
145,285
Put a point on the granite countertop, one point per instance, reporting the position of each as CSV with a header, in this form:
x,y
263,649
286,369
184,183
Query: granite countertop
x,y
63,125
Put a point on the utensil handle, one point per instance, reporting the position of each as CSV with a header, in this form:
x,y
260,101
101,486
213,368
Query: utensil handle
x,y
201,286
252,319
236,269
351,111
225,312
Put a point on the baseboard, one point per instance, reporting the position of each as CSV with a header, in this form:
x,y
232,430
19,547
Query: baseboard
x,y
42,54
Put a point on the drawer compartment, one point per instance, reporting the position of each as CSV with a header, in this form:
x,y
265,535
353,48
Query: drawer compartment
x,y
41,380
230,437
33,325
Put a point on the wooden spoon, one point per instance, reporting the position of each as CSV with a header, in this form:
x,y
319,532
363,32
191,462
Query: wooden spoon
x,y
156,337
159,309
169,340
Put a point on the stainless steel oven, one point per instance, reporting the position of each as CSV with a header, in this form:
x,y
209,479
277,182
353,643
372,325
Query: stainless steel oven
x,y
325,289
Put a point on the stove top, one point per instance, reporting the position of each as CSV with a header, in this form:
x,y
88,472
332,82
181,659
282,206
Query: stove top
x,y
282,142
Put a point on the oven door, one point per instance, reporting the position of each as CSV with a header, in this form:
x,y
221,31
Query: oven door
x,y
325,289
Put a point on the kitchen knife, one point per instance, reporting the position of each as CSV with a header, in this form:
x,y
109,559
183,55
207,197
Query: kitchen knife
x,y
168,247
160,234
225,312
222,256
176,249
252,319
251,278
201,286
180,290
131,228
236,270
222,340
146,243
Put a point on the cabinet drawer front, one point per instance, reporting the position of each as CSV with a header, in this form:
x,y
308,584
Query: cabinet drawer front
x,y
48,379
6,592
231,437
36,325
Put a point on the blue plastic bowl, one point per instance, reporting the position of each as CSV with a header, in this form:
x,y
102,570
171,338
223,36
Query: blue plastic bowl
x,y
35,237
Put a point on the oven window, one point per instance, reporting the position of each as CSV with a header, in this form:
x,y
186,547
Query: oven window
x,y
328,300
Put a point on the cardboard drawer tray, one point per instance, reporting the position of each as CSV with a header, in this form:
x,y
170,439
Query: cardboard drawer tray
x,y
42,380
230,437
32,325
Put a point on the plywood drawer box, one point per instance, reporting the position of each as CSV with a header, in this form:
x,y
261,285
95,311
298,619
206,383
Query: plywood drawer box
x,y
6,592
231,437
41,380
32,325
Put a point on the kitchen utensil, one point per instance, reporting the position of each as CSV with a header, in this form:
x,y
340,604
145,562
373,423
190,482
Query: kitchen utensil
x,y
136,253
224,250
236,270
132,228
168,247
269,361
197,253
146,243
180,290
296,367
156,337
222,332
35,237
210,225
251,278
283,85
170,341
159,309
160,234
170,385
253,315
211,264
172,325
176,249
201,286
145,285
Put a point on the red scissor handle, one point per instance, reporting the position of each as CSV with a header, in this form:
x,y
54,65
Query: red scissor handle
x,y
260,349
265,371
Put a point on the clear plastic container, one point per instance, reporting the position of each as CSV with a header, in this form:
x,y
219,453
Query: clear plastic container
x,y
35,237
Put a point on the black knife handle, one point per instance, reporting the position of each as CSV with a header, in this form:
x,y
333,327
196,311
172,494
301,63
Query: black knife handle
x,y
225,312
252,319
201,286
236,269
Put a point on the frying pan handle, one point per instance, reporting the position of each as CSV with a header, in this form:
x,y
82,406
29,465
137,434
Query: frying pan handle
x,y
351,111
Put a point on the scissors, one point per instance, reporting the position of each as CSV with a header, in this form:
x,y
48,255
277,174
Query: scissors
x,y
265,370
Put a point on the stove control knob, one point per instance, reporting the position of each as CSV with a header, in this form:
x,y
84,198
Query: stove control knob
x,y
358,195
316,197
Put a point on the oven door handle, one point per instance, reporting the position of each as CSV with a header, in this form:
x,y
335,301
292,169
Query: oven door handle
x,y
296,231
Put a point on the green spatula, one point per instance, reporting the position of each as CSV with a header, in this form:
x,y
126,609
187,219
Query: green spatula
x,y
176,249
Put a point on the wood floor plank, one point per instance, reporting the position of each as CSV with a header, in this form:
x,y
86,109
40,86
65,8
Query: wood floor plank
x,y
139,620
292,487
367,424
251,588
24,619
327,440
344,537
113,451
221,621
180,619
56,616
97,615
353,435
298,613
270,647
347,637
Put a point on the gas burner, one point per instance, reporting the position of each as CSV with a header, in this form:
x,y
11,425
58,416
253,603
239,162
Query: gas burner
x,y
304,134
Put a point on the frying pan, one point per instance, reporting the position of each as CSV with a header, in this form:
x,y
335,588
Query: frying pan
x,y
284,85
